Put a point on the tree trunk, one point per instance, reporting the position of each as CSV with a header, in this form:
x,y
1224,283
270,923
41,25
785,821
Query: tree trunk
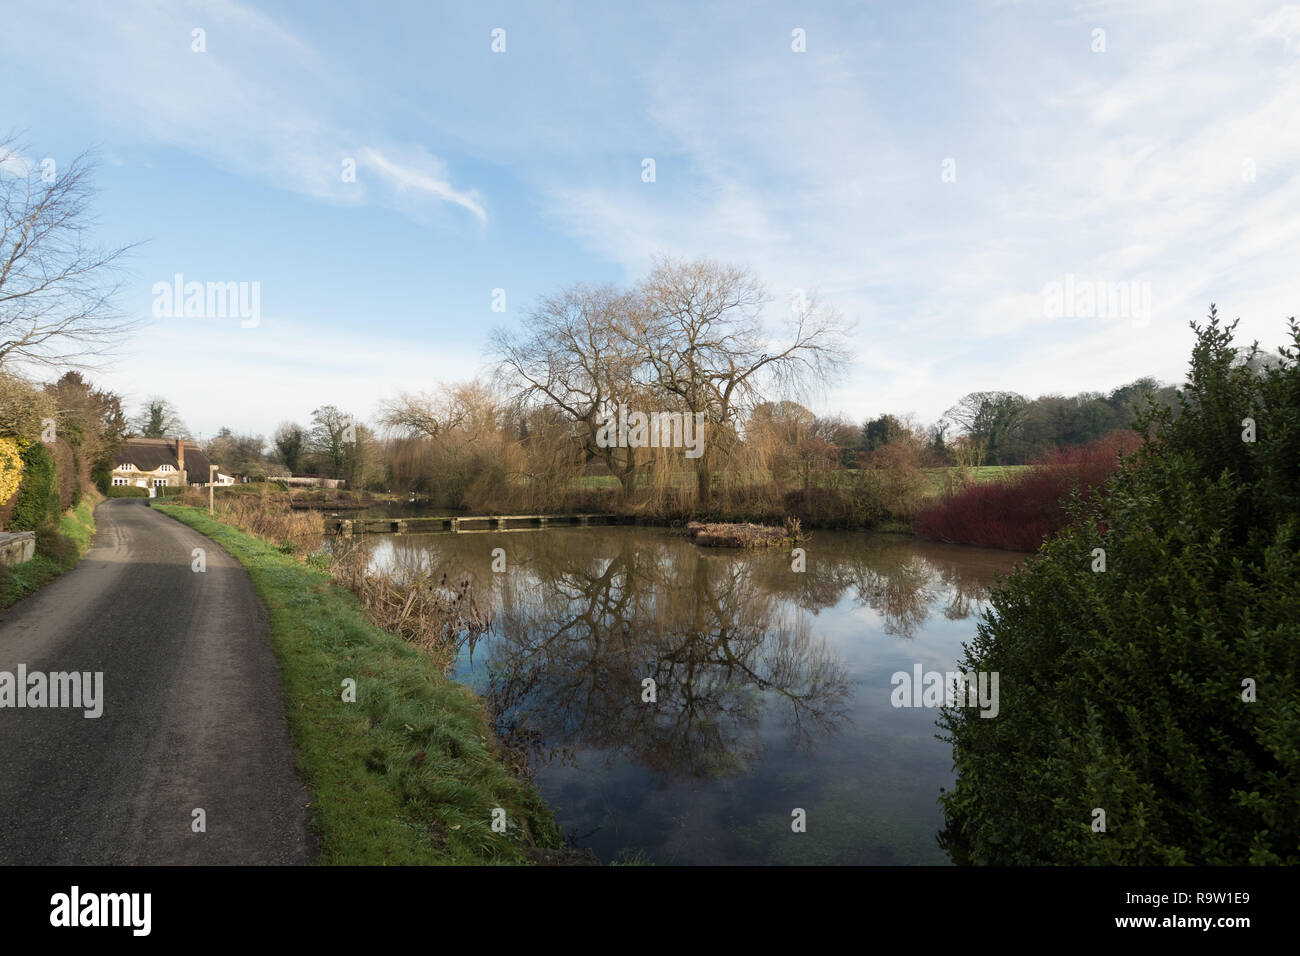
x,y
703,483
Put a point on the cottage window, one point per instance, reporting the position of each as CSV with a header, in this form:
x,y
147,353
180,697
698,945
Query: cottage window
x,y
128,467
167,468
160,482
121,481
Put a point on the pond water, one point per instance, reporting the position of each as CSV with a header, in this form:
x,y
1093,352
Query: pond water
x,y
772,686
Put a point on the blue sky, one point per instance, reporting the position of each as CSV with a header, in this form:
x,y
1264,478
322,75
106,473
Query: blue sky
x,y
821,169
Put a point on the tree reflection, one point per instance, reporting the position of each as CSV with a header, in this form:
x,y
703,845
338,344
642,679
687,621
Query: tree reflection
x,y
582,619
578,635
898,578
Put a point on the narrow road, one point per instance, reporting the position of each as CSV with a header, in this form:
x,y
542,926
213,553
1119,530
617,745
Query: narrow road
x,y
193,715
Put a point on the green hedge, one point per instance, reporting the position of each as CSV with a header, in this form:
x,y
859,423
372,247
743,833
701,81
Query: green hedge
x,y
1125,689
102,476
127,491
38,495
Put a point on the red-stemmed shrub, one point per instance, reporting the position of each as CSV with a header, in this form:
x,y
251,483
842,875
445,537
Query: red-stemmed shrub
x,y
1017,513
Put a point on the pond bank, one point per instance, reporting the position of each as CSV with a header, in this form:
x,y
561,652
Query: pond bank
x,y
409,772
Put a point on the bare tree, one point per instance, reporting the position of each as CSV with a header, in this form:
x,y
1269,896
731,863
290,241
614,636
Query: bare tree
x,y
577,355
467,408
701,331
56,290
453,436
799,444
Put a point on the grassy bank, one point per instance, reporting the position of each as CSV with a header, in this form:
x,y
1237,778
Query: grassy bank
x,y
58,549
408,774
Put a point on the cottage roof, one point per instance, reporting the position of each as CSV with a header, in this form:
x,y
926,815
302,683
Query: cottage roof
x,y
150,454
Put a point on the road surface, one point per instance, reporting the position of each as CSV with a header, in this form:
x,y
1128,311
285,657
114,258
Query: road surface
x,y
193,715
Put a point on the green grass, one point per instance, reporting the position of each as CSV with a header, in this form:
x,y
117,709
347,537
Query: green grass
x,y
77,525
409,774
983,475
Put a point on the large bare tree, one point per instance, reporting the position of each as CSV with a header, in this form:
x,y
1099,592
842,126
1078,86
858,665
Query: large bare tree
x,y
578,355
56,288
701,330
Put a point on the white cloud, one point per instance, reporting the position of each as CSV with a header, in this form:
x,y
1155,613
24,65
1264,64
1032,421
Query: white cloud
x,y
258,100
426,174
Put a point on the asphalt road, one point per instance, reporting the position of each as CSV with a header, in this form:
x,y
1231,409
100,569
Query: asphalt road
x,y
193,715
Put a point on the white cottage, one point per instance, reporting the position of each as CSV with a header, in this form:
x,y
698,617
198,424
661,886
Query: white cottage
x,y
158,462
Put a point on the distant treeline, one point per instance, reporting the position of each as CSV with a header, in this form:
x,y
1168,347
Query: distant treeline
x,y
1006,428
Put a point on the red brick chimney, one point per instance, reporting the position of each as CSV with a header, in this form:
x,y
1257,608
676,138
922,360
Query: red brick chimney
x,y
180,455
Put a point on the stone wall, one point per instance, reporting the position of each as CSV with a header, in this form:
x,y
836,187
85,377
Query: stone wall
x,y
17,547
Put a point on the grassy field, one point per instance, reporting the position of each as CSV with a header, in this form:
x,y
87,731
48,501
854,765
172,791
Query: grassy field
x,y
409,773
53,557
985,473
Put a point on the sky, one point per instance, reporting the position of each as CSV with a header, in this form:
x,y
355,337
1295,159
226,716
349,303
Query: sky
x,y
958,180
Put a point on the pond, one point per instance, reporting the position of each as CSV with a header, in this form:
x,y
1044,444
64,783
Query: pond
x,y
771,686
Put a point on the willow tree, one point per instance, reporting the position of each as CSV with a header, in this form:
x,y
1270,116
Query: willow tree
x,y
700,329
577,354
459,436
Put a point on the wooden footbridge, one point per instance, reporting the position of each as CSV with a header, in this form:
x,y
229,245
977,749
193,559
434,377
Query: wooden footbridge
x,y
465,525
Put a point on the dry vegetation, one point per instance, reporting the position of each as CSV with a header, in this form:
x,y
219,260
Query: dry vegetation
x,y
265,515
427,611
745,535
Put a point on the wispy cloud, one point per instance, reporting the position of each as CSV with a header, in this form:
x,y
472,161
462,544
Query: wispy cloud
x,y
257,99
1167,159
1173,157
426,175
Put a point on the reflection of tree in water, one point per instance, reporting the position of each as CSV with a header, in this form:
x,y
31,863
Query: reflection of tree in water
x,y
900,580
726,636
574,639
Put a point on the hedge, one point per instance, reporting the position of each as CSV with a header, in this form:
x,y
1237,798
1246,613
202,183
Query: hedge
x,y
38,496
127,491
1149,706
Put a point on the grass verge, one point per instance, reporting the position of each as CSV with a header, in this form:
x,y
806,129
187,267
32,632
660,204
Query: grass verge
x,y
58,549
409,773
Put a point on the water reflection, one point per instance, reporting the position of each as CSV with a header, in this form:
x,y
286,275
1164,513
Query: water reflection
x,y
756,669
